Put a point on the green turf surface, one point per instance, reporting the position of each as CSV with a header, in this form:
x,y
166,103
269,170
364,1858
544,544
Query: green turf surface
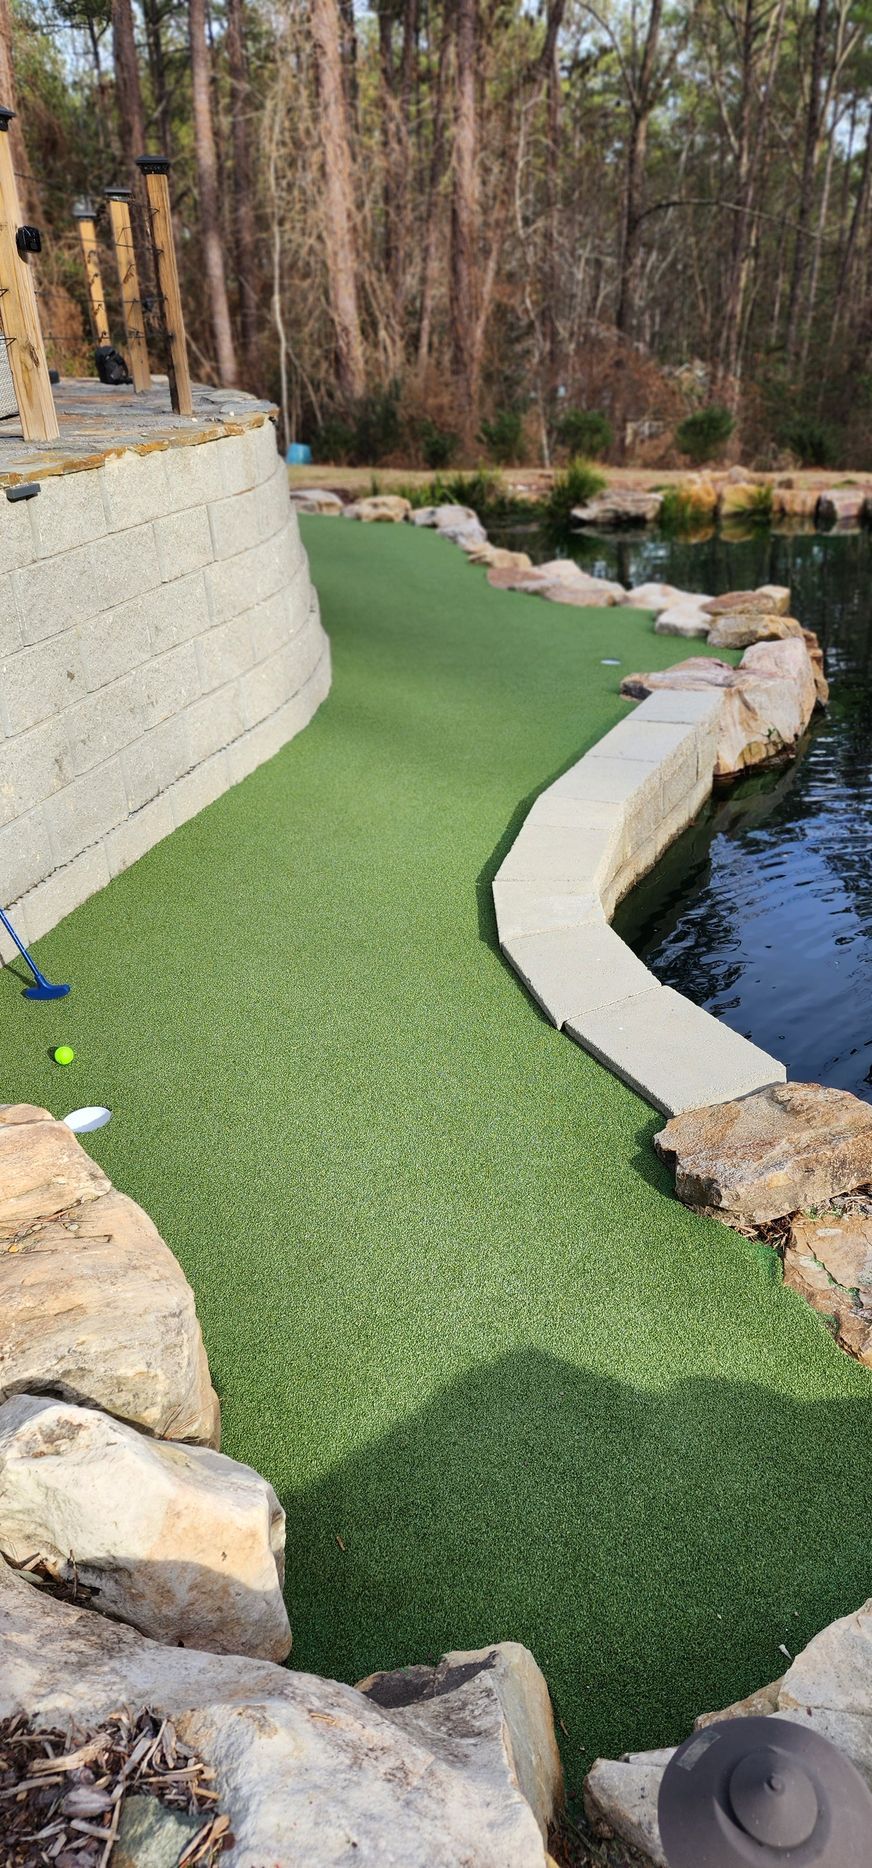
x,y
451,1308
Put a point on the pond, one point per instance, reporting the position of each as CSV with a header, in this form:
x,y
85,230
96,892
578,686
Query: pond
x,y
762,911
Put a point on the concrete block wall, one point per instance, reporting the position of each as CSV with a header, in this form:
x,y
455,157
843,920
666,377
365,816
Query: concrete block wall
x,y
582,846
159,638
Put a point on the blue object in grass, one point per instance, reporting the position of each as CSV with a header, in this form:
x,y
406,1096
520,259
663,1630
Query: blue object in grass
x,y
298,455
43,988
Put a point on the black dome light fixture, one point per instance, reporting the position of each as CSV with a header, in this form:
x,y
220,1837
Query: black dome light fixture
x,y
763,1793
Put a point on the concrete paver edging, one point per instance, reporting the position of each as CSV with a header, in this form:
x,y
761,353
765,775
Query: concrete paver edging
x,y
583,845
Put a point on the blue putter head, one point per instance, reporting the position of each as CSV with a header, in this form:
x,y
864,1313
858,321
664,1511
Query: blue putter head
x,y
45,991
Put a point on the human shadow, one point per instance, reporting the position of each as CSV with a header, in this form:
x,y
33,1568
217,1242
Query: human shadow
x,y
653,1548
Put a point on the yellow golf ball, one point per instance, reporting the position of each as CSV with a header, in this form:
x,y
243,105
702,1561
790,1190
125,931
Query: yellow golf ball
x,y
64,1054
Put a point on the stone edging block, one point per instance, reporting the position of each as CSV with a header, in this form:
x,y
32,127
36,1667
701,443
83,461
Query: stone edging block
x,y
585,842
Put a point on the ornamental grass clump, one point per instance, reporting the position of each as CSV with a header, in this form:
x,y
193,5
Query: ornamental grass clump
x,y
573,486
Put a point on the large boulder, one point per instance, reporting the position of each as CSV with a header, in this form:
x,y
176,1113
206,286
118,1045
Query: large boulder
x,y
768,600
561,581
816,657
744,628
501,558
316,499
181,1542
767,701
309,1770
828,1259
794,502
446,514
657,597
780,1150
843,505
458,523
827,1687
619,506
379,508
685,618
93,1305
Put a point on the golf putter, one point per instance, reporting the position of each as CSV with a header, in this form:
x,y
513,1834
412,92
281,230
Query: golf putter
x,y
43,988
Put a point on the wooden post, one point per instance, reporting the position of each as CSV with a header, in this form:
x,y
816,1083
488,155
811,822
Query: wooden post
x,y
156,169
18,314
128,279
83,212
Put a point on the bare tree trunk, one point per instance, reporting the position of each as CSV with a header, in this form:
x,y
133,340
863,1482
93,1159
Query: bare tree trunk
x,y
437,166
760,39
464,217
339,232
27,189
403,195
243,190
552,224
806,187
128,92
641,102
207,189
348,41
388,139
157,69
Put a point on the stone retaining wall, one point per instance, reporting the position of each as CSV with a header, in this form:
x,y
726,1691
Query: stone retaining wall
x,y
159,638
585,842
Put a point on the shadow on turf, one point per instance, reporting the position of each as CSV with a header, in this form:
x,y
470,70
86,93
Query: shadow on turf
x,y
652,1549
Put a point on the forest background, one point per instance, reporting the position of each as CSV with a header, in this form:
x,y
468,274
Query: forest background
x,y
439,230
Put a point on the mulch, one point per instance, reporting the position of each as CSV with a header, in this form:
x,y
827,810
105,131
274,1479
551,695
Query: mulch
x,y
61,1802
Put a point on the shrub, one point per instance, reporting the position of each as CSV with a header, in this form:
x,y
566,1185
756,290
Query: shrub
x,y
438,445
587,433
483,490
704,434
576,484
504,435
813,442
363,433
377,426
334,441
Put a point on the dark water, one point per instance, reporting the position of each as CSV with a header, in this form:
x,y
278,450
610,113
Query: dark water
x,y
762,911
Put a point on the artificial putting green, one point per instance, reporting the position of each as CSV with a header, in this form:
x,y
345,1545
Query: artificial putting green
x,y
505,1386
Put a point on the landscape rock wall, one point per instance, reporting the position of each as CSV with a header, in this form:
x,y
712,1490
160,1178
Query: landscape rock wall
x,y
159,639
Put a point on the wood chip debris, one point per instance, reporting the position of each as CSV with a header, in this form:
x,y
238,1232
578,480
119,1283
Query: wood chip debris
x,y
62,1793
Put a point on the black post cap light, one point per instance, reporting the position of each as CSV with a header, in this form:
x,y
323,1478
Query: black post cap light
x,y
83,209
153,165
118,194
761,1792
6,116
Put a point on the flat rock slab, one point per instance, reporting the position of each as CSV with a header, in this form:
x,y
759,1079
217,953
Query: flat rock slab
x,y
768,700
683,619
791,1146
619,506
769,599
673,1053
657,597
309,1770
152,1836
182,1543
740,630
93,1305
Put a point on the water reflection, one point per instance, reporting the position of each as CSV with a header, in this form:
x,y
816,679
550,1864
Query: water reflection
x,y
762,912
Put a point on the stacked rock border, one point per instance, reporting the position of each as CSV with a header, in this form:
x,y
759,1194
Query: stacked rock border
x,y
141,1574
